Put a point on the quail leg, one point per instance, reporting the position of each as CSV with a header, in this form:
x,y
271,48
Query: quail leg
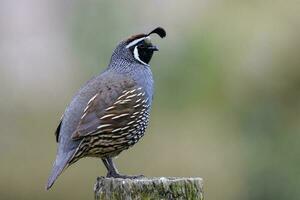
x,y
112,171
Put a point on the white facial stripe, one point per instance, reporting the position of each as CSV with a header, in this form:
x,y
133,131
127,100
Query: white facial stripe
x,y
137,57
134,42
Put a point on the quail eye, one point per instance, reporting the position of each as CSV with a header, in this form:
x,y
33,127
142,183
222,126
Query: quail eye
x,y
142,46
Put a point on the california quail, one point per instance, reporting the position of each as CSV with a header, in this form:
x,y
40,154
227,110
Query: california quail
x,y
110,112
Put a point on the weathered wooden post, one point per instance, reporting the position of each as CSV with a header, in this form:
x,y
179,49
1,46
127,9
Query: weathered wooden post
x,y
166,188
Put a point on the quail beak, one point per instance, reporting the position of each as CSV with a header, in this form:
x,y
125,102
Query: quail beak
x,y
153,48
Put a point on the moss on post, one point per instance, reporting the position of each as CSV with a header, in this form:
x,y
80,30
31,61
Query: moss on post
x,y
148,188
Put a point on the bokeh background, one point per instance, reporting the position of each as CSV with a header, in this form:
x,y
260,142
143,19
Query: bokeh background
x,y
226,107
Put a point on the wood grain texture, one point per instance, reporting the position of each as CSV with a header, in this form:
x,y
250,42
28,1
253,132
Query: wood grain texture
x,y
162,188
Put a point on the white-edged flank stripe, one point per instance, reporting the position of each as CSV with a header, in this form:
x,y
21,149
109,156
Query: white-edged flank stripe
x,y
93,98
103,126
108,115
119,116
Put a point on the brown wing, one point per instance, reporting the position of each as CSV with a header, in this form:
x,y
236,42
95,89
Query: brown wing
x,y
115,118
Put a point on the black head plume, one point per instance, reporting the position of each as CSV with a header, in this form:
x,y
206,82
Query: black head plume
x,y
159,31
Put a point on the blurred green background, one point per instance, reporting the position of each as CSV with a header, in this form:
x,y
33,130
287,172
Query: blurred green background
x,y
227,100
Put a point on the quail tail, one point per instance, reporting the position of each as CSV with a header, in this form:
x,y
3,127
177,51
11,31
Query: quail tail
x,y
58,167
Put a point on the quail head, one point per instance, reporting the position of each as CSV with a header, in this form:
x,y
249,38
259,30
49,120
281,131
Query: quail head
x,y
110,112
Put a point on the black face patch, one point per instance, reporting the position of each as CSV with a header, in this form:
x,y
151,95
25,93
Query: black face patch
x,y
145,54
143,51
